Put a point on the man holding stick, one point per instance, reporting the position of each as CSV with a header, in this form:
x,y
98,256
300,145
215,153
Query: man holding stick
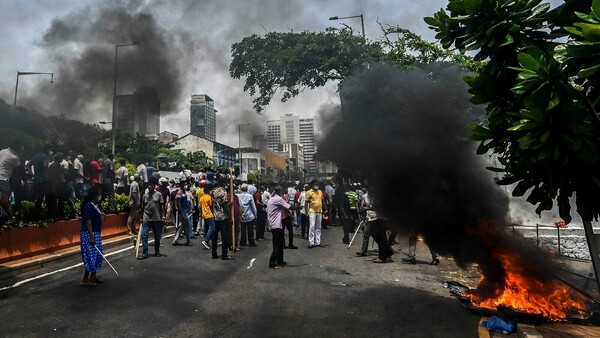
x,y
153,216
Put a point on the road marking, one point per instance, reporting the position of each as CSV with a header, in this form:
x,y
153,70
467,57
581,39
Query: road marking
x,y
251,262
69,267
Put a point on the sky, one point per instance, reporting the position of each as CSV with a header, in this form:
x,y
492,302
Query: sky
x,y
187,50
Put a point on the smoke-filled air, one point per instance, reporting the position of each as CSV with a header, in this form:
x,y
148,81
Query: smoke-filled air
x,y
407,132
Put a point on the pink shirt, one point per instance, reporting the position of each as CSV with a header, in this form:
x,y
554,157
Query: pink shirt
x,y
276,207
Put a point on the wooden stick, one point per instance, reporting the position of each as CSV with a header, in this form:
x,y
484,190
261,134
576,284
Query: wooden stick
x,y
233,244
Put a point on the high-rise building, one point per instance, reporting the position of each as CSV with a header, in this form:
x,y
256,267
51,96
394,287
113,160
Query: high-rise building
x,y
203,117
138,112
291,129
259,142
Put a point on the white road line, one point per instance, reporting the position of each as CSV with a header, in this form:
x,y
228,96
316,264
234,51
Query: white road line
x,y
69,267
251,262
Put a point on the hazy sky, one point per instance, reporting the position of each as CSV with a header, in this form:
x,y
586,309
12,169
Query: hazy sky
x,y
190,52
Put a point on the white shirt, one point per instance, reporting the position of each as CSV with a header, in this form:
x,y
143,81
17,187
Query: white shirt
x,y
143,172
265,197
302,201
251,189
78,166
8,161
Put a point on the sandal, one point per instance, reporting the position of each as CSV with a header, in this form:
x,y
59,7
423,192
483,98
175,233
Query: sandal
x,y
379,260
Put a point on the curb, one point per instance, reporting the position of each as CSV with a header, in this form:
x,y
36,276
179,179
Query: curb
x,y
26,265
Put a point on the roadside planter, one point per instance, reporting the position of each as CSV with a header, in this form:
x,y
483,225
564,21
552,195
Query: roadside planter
x,y
18,243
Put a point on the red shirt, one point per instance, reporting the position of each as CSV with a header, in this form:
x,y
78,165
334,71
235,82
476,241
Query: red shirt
x,y
95,172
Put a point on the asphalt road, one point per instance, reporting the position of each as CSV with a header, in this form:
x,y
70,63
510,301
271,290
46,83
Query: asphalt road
x,y
324,292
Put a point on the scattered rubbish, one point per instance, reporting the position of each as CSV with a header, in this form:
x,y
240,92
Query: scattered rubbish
x,y
498,324
251,262
338,284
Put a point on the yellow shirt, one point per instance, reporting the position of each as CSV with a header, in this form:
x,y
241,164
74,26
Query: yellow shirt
x,y
199,194
314,200
206,204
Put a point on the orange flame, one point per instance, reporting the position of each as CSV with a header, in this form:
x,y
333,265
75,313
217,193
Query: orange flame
x,y
550,298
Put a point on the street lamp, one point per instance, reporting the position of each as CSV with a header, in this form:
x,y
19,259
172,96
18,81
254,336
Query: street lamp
x,y
362,22
114,119
240,143
29,73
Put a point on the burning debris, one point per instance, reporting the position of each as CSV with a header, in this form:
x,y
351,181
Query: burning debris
x,y
407,132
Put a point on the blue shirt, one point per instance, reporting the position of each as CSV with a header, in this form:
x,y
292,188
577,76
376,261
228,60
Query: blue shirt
x,y
247,207
91,212
182,197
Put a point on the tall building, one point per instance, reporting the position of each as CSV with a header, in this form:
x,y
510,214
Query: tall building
x,y
291,129
203,117
259,142
138,112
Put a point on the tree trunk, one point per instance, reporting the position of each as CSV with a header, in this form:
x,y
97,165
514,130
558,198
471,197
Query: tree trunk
x,y
593,247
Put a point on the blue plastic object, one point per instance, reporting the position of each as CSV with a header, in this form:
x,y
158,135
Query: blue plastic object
x,y
498,324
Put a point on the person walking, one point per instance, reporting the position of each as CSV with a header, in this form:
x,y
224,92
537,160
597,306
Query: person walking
x,y
248,216
79,179
183,212
134,204
90,238
153,216
412,250
221,212
122,176
261,217
108,179
9,160
378,230
314,208
206,207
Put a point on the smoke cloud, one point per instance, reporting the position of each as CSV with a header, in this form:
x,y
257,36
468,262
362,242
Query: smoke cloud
x,y
407,133
82,45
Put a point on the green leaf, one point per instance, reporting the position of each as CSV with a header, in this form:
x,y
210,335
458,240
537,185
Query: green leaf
x,y
587,72
496,170
528,62
432,21
573,31
521,188
590,31
596,7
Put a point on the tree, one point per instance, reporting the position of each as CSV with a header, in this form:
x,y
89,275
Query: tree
x,y
540,89
292,62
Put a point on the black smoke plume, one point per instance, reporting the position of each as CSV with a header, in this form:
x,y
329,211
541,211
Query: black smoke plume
x,y
82,47
407,132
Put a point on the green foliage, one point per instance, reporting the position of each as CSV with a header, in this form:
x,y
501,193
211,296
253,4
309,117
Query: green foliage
x,y
541,94
292,62
121,204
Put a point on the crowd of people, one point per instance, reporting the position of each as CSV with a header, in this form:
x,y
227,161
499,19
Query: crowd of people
x,y
203,204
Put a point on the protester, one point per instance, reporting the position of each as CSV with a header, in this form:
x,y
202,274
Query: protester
x,y
261,219
122,176
39,163
108,179
248,216
276,208
236,218
222,221
378,229
79,178
200,224
134,204
412,248
95,170
55,194
304,221
314,208
206,206
90,237
9,160
342,203
153,217
183,211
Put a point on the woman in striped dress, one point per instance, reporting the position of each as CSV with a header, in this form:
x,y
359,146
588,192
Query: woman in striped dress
x,y
91,226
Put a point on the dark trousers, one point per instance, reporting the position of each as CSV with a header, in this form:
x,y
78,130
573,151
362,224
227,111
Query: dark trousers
x,y
156,227
223,227
261,221
303,224
39,193
289,225
278,242
368,232
248,233
379,229
348,227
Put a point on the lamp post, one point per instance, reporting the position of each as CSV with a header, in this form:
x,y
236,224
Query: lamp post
x,y
29,73
240,144
362,22
114,119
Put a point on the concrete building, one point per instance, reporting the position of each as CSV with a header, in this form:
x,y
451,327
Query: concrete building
x,y
138,113
253,161
166,137
203,117
221,154
291,129
295,153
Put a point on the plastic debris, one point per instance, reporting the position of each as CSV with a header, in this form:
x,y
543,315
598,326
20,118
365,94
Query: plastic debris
x,y
497,324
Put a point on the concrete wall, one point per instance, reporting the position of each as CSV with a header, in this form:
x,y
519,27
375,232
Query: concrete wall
x,y
572,241
191,143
